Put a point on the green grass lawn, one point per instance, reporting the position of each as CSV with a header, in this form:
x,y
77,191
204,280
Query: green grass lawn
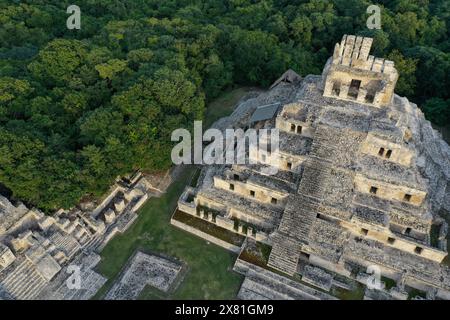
x,y
355,294
209,274
224,105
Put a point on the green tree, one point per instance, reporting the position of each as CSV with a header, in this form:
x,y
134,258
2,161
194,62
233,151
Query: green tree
x,y
437,111
407,68
57,64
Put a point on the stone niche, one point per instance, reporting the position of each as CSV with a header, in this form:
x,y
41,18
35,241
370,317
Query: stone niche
x,y
387,150
389,191
352,74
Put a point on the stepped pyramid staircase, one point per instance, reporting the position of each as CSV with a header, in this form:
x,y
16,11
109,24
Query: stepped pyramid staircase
x,y
24,283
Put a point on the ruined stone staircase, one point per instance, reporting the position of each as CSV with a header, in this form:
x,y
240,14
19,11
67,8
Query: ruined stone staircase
x,y
93,243
24,283
336,146
313,180
285,254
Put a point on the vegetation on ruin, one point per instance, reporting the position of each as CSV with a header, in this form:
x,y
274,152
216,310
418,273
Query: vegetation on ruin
x,y
80,107
209,228
413,293
209,273
208,264
257,254
388,282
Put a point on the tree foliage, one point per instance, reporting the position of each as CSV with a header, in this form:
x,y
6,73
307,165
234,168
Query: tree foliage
x,y
80,107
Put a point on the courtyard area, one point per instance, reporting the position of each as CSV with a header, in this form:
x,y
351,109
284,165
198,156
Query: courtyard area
x,y
209,274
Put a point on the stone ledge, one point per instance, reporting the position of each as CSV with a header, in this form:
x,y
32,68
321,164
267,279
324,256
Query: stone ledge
x,y
205,236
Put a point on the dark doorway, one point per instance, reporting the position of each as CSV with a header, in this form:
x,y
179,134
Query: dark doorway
x,y
354,88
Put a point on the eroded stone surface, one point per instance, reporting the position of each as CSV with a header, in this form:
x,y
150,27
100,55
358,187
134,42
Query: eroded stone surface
x,y
143,270
361,179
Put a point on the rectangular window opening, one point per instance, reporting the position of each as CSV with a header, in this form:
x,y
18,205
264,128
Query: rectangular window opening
x,y
336,88
370,98
304,256
407,197
391,240
354,88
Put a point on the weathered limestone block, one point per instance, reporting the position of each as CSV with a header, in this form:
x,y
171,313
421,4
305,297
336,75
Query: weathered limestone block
x,y
119,205
365,48
261,236
356,49
72,226
348,50
328,88
344,91
378,64
378,98
6,256
225,223
46,223
362,93
398,293
110,215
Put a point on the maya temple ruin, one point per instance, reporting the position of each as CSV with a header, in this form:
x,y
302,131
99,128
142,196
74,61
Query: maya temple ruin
x,y
358,204
363,183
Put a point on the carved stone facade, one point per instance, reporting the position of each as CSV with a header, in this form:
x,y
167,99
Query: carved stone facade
x,y
361,179
37,250
352,74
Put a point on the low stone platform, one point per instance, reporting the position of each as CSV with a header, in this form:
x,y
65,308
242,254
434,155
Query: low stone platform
x,y
144,269
317,277
262,284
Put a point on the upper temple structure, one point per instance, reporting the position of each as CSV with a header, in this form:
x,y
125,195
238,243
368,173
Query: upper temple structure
x,y
353,74
363,184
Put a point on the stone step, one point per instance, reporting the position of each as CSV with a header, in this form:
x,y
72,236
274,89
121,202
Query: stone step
x,y
32,288
21,284
16,273
298,217
284,255
24,283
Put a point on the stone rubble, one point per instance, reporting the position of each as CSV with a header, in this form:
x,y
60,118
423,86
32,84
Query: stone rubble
x,y
37,250
362,178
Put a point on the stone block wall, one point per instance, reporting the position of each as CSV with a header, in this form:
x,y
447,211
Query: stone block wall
x,y
398,153
206,236
244,189
388,191
292,126
399,243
